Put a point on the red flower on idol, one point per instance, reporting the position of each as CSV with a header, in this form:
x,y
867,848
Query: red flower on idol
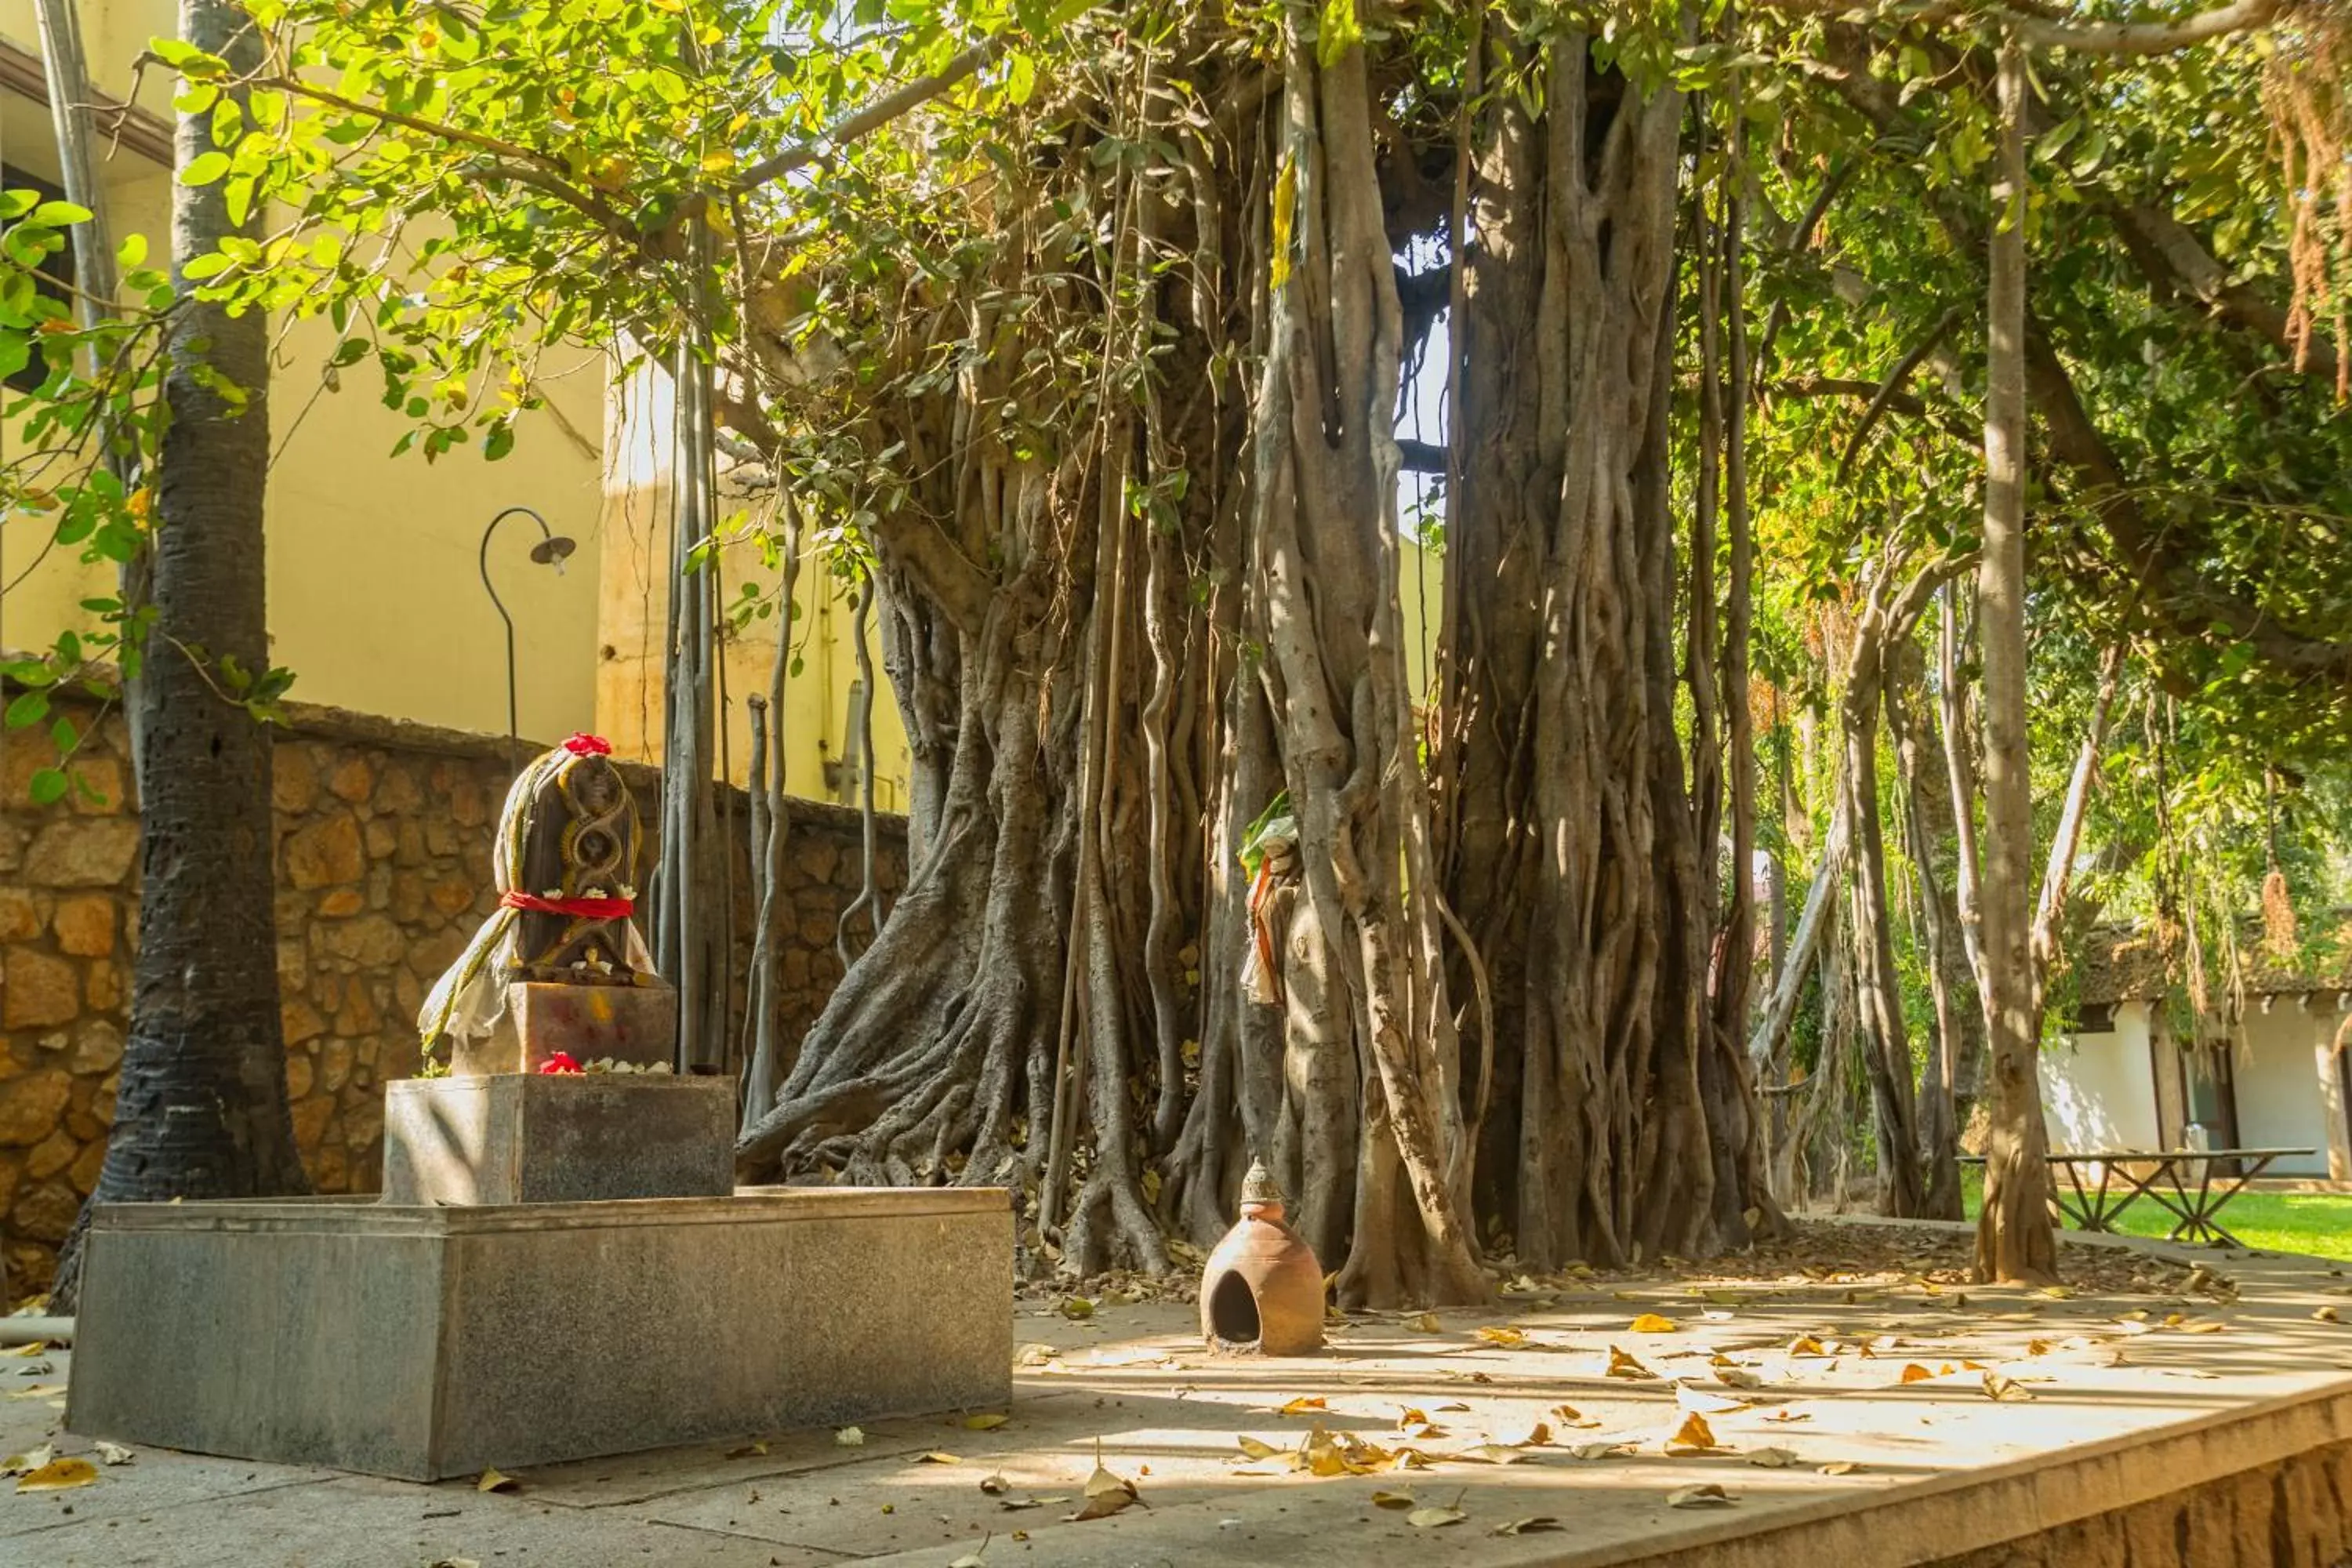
x,y
586,745
559,1061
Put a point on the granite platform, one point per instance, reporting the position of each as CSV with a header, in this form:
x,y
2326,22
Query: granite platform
x,y
418,1341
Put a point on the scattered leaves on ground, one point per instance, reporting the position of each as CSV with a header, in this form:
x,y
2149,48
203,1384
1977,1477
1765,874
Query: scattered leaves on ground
x,y
1838,1467
1622,1364
32,1460
1254,1449
1529,1526
1078,1308
1306,1403
972,1558
1772,1458
1427,1323
995,1486
1706,1494
850,1438
2004,1388
493,1482
1612,1450
935,1458
1650,1324
1434,1518
988,1421
1509,1338
748,1451
113,1453
1699,1402
1394,1500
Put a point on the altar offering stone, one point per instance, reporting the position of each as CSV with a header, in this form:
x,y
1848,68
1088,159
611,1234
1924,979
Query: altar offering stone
x,y
558,1138
635,1024
421,1342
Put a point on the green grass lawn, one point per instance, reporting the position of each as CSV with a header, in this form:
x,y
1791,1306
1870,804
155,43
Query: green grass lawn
x,y
2317,1224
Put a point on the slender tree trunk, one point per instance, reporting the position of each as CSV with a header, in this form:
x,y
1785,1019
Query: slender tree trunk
x,y
202,1111
2015,1240
1948,1084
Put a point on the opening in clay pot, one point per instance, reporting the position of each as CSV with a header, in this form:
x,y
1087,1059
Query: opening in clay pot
x,y
1232,1311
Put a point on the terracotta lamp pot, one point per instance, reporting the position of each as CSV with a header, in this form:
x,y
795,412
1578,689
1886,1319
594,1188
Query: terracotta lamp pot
x,y
1262,1293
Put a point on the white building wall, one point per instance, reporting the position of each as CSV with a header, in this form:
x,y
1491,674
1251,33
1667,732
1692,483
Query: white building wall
x,y
2098,1090
2280,1104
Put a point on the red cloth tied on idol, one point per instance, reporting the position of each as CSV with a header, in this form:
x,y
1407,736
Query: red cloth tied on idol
x,y
559,1061
583,744
578,909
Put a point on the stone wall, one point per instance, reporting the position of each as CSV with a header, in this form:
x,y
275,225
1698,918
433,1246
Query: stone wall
x,y
383,870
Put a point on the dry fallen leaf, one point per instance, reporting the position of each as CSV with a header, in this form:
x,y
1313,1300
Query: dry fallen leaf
x,y
113,1453
1303,1404
1505,1337
2004,1388
747,1451
1252,1448
995,1486
1490,1454
1393,1500
1693,1437
988,1421
972,1558
1427,1323
1706,1494
39,1391
1702,1403
1530,1526
1434,1518
1772,1458
1838,1467
1622,1364
58,1476
1600,1450
1101,1505
1568,1416
935,1458
18,1463
1785,1413
29,1348
1650,1324
1077,1308
1805,1344
1538,1436
492,1481
2204,1326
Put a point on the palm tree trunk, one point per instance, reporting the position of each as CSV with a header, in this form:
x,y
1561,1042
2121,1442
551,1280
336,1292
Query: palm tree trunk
x,y
202,1111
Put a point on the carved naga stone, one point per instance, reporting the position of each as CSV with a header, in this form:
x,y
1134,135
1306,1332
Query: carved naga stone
x,y
558,977
1261,1292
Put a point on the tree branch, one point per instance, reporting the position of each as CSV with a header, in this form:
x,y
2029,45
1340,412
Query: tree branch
x,y
875,115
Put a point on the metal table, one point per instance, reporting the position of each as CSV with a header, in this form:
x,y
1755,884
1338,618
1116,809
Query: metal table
x,y
2180,1180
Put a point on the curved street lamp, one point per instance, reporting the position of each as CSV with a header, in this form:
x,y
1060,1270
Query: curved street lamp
x,y
551,551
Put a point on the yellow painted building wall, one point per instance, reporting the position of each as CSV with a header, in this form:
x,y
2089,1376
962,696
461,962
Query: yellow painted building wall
x,y
640,438
375,600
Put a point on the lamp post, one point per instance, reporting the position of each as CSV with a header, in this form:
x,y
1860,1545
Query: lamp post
x,y
551,551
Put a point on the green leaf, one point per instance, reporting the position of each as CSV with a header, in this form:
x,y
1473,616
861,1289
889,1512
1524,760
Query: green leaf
x,y
205,168
132,253
48,786
58,215
1021,77
28,709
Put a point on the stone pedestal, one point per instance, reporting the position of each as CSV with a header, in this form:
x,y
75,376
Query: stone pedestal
x,y
557,1138
636,1024
421,1342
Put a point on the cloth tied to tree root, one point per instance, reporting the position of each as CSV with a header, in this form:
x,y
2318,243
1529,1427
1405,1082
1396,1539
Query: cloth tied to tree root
x,y
470,997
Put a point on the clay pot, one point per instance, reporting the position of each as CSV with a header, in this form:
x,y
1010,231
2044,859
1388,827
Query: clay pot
x,y
1261,1292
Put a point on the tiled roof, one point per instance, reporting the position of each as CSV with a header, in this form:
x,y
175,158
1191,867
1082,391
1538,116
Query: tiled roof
x,y
2116,964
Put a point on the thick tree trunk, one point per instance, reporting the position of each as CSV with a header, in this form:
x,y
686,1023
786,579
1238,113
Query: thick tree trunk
x,y
1327,466
2014,1241
202,1110
1629,1124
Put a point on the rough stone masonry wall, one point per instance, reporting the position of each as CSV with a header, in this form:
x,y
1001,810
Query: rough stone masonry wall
x,y
383,870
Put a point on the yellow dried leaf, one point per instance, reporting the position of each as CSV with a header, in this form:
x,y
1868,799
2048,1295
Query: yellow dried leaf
x,y
1529,1526
1737,1377
1411,1415
1706,1494
850,1438
2203,1326
1100,1505
995,1486
1102,1483
58,1476
1600,1450
1538,1436
972,1558
1805,1344
1491,1454
1914,1372
1838,1467
113,1453
2004,1388
1303,1404
747,1451
1650,1324
1077,1308
1570,1415
1622,1364
1393,1500
492,1481
1506,1337
29,1348
988,1421
1434,1518
1693,1437
1253,1449
2325,1315
935,1458
1772,1458
1427,1323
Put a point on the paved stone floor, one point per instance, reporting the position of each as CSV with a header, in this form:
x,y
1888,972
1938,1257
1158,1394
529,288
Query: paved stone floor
x,y
1882,1417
